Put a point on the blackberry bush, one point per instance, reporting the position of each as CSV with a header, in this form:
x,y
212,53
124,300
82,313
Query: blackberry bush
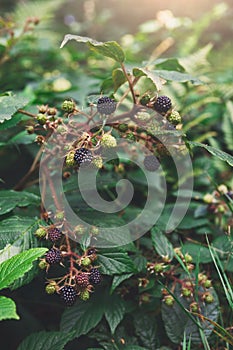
x,y
83,156
95,276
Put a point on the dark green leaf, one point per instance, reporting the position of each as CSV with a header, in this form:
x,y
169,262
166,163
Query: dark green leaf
x,y
191,222
161,243
46,341
83,316
9,106
146,330
114,311
118,279
109,49
115,263
18,265
22,138
214,151
11,199
7,309
15,235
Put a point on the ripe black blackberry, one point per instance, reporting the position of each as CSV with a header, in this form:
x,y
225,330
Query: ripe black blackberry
x,y
53,256
95,276
151,163
91,251
83,156
54,234
68,295
82,279
163,104
105,105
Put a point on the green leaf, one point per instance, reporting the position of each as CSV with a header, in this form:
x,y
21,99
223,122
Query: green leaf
x,y
82,317
109,48
118,279
46,341
18,265
169,64
118,78
114,311
227,125
134,347
192,222
178,76
15,235
11,199
9,106
214,151
22,138
7,309
115,263
198,252
161,244
153,76
146,330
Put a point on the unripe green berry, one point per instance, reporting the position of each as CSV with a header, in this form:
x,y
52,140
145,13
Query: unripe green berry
x,y
207,284
60,215
97,162
143,116
158,268
41,118
61,129
94,230
208,298
222,189
80,230
174,118
202,277
30,129
68,106
169,300
108,141
70,159
186,292
51,288
208,198
188,258
221,208
145,99
85,261
123,127
84,295
42,264
40,232
130,136
194,307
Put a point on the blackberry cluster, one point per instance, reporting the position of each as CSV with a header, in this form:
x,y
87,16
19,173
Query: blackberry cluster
x,y
105,105
53,256
82,280
54,234
163,104
68,295
83,156
95,276
151,163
